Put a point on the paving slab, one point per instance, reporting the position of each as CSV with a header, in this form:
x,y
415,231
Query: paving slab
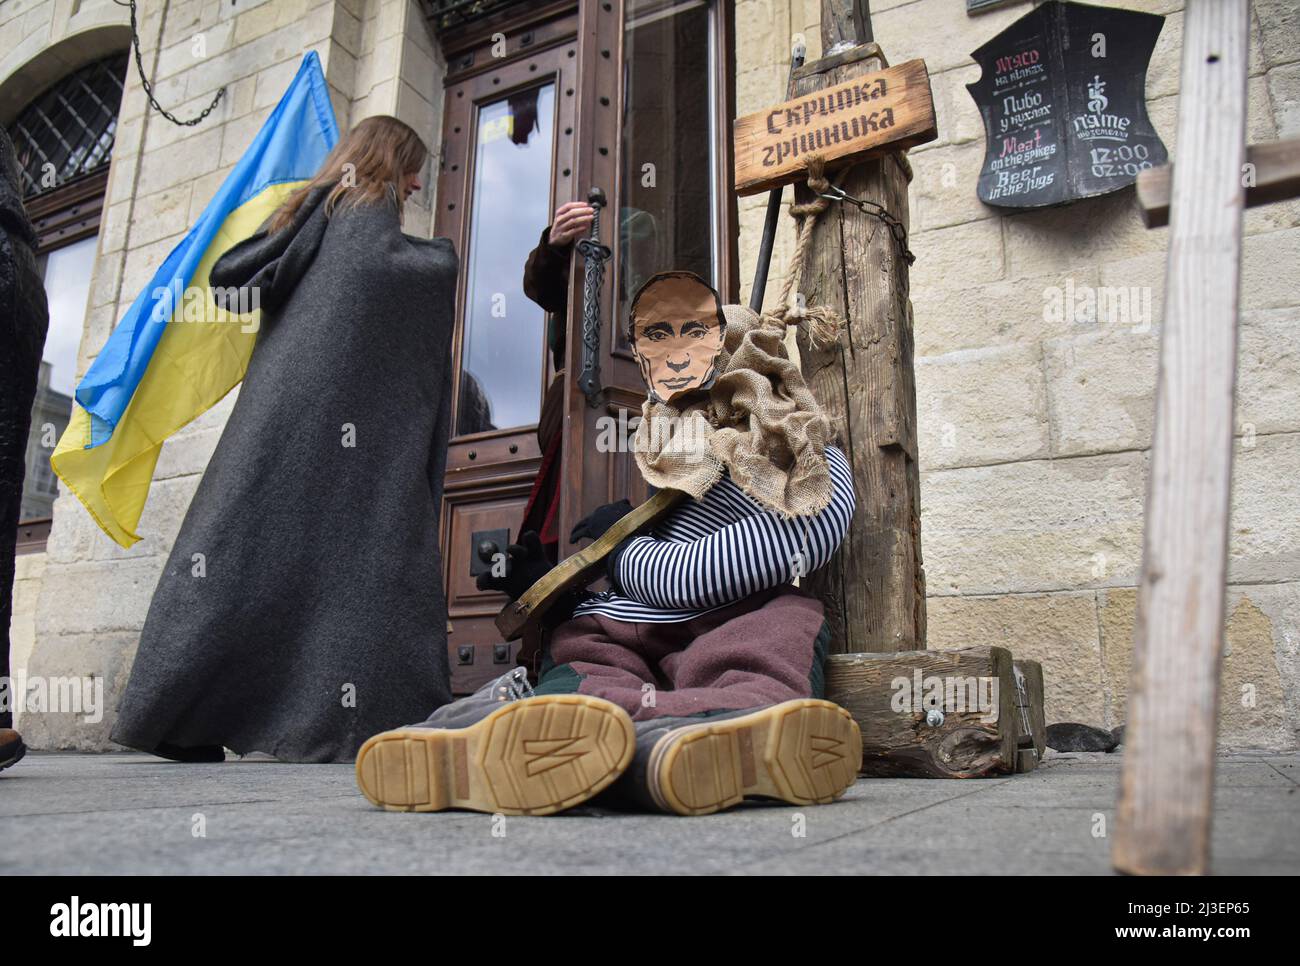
x,y
134,814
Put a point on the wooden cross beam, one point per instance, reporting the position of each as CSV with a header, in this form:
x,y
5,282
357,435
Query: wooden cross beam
x,y
1167,781
1272,174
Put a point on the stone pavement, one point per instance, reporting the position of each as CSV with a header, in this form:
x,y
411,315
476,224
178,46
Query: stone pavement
x,y
66,813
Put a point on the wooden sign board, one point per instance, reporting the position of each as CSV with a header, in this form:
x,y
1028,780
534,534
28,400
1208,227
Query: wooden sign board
x,y
862,117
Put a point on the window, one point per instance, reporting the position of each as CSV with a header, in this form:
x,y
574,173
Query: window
x,y
68,131
672,119
67,273
501,368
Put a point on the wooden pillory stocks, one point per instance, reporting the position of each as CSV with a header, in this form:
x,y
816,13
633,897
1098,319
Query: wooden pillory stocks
x,y
859,115
857,265
1167,782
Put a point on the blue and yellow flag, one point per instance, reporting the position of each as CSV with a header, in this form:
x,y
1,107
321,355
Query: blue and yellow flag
x,y
175,354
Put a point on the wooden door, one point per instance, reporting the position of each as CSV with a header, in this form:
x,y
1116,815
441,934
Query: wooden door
x,y
507,154
629,84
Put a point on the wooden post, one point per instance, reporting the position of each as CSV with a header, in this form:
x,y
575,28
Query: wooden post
x,y
1167,782
874,591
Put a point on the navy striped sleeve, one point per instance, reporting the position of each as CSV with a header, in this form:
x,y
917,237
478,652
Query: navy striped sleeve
x,y
740,558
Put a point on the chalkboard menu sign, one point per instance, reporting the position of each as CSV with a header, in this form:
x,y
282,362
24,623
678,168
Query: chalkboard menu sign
x,y
1063,101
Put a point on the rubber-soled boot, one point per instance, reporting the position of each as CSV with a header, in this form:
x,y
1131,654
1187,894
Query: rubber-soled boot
x,y
805,752
501,749
511,686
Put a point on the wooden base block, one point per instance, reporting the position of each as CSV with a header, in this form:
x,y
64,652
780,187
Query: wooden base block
x,y
890,696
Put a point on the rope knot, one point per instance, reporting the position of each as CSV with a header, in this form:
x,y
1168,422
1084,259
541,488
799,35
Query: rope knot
x,y
815,168
820,323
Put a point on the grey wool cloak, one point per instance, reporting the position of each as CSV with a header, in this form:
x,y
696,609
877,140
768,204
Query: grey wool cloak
x,y
315,617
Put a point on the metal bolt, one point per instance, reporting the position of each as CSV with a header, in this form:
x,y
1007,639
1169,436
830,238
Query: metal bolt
x,y
934,717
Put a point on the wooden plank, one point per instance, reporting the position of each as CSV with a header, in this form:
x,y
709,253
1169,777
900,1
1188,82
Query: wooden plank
x,y
874,588
1167,781
1030,723
849,55
845,22
582,567
887,695
1274,176
860,116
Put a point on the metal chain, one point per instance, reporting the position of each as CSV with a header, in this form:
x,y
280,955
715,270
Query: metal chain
x,y
148,88
896,227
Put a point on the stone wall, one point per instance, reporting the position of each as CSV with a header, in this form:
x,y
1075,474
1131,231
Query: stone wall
x,y
1035,426
85,599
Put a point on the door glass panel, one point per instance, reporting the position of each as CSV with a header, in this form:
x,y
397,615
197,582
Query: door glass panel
x,y
670,129
67,286
503,354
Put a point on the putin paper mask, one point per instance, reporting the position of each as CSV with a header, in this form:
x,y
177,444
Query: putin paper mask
x,y
676,334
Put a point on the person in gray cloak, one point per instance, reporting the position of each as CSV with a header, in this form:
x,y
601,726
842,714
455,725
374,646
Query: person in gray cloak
x,y
302,606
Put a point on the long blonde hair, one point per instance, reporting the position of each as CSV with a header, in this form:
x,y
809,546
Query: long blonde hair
x,y
382,151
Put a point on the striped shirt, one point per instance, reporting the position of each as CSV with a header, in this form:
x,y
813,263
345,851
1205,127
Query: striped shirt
x,y
720,549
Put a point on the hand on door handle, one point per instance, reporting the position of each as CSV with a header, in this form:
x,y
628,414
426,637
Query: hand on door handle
x,y
571,220
525,563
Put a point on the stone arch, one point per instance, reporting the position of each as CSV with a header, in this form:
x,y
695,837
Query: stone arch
x,y
26,73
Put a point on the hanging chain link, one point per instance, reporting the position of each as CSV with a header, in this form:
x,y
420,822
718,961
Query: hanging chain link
x,y
896,227
148,88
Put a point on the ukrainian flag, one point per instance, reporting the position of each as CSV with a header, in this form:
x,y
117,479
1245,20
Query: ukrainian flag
x,y
175,354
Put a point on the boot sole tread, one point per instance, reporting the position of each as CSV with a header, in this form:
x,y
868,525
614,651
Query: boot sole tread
x,y
805,752
531,757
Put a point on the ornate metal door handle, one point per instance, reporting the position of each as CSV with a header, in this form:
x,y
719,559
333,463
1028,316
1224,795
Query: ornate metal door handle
x,y
594,256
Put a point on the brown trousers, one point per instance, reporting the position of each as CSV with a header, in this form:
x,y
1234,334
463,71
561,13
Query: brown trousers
x,y
761,651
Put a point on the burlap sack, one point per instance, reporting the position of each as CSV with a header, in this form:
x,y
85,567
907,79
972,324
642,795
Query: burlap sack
x,y
760,422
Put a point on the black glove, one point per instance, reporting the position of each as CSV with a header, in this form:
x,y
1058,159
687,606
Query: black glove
x,y
526,563
611,565
599,520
